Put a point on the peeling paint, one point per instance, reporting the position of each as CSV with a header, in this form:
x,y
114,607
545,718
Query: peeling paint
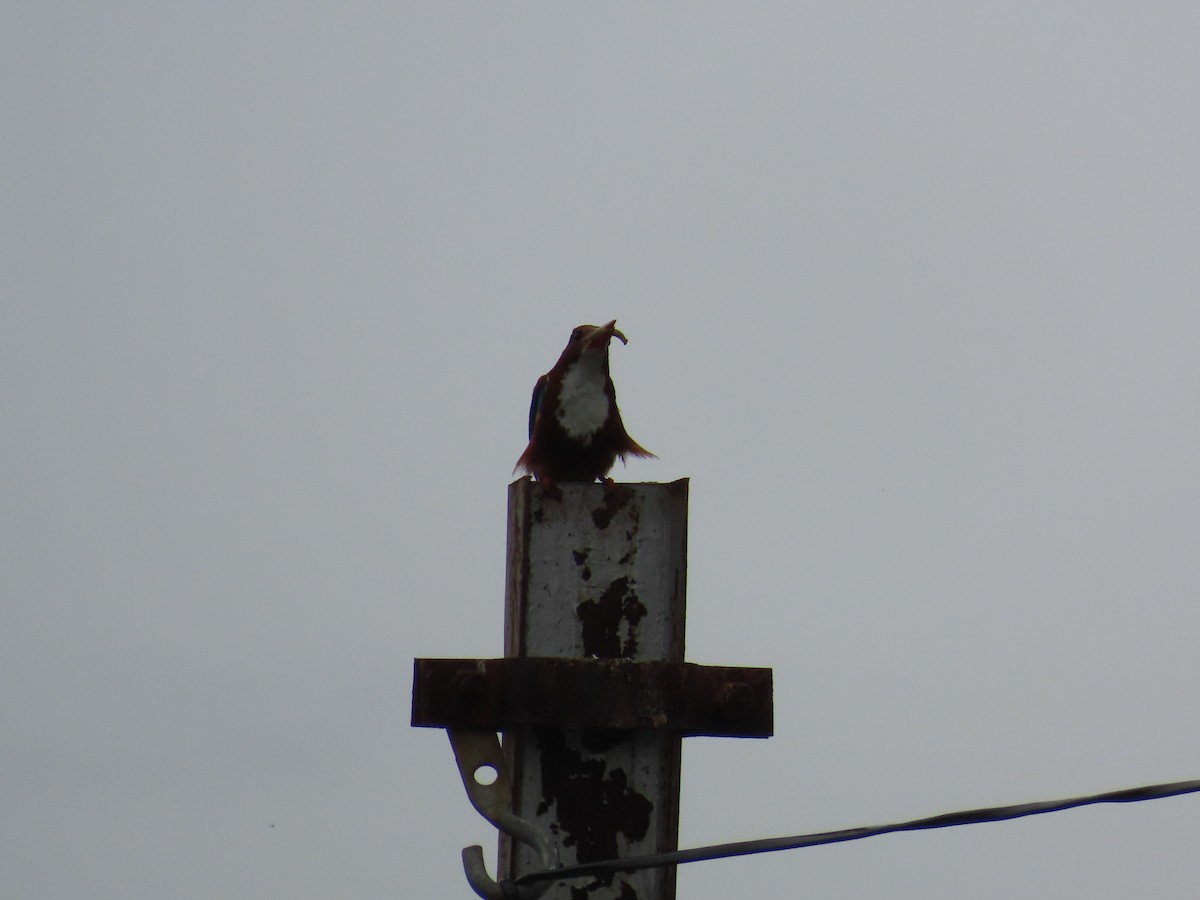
x,y
591,804
602,619
615,499
580,557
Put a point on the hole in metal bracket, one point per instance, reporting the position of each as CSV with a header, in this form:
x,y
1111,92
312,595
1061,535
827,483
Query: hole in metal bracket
x,y
485,775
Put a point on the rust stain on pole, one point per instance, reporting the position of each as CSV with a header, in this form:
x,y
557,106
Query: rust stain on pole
x,y
602,620
595,806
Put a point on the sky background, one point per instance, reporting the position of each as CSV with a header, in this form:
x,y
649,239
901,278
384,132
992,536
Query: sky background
x,y
911,293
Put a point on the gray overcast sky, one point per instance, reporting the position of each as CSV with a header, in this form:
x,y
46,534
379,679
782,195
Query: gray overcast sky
x,y
911,293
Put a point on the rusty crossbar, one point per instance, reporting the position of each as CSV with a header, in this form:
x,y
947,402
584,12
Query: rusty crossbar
x,y
686,698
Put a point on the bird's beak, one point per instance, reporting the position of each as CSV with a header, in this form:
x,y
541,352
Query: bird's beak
x,y
602,335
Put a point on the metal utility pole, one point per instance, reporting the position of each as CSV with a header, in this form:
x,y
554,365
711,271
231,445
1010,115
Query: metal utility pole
x,y
597,575
593,694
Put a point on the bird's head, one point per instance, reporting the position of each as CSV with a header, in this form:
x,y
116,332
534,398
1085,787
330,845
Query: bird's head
x,y
591,339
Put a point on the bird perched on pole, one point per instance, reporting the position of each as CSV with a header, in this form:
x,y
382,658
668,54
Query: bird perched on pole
x,y
575,428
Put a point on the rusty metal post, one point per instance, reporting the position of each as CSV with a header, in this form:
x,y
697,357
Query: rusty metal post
x,y
596,572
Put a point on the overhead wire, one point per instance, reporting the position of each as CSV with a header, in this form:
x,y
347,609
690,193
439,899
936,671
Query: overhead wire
x,y
795,842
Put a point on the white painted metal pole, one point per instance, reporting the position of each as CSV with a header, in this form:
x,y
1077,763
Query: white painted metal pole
x,y
596,571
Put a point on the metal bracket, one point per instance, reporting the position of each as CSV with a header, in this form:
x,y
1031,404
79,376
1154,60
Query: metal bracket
x,y
474,698
479,751
497,694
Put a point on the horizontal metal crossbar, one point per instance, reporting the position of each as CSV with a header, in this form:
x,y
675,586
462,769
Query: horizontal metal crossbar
x,y
496,694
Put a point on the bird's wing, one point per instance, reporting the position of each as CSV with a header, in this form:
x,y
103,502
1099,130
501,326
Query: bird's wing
x,y
538,390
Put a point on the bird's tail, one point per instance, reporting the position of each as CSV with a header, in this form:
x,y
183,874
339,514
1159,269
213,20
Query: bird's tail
x,y
633,448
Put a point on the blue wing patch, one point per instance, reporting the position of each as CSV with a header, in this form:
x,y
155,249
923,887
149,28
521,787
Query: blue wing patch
x,y
535,405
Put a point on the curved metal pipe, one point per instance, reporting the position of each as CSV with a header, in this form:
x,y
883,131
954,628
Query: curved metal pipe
x,y
475,751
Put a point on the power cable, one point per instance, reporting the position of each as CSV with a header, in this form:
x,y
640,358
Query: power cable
x,y
946,820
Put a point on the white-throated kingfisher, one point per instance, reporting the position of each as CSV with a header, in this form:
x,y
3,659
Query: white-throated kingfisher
x,y
575,428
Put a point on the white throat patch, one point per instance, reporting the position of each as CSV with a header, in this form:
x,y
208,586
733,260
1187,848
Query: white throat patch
x,y
583,404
